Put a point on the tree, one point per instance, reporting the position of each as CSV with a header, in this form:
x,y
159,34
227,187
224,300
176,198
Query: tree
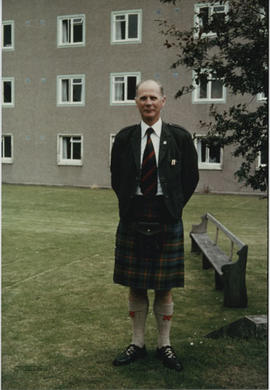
x,y
230,43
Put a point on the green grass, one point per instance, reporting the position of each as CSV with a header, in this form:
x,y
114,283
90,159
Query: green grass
x,y
63,319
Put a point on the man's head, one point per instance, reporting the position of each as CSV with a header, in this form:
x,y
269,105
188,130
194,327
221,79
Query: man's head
x,y
150,100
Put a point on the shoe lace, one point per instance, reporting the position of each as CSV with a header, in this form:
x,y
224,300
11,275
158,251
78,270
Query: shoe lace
x,y
169,353
130,349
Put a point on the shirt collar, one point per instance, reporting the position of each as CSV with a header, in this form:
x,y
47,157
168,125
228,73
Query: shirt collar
x,y
156,127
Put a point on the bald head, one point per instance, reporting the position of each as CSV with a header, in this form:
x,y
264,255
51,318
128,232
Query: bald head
x,y
151,84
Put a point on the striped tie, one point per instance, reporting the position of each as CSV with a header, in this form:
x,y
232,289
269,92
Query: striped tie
x,y
149,168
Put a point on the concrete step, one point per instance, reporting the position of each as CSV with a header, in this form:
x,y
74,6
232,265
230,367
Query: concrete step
x,y
246,327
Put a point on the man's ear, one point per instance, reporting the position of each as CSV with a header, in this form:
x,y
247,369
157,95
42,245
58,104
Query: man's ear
x,y
164,100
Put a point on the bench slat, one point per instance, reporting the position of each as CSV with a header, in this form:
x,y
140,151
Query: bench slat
x,y
215,255
226,231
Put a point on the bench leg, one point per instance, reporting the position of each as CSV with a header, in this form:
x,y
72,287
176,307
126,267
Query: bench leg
x,y
218,281
205,262
194,247
235,292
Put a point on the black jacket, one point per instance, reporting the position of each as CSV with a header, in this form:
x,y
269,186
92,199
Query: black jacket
x,y
178,179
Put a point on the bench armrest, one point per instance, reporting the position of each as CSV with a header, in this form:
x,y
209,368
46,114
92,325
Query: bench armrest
x,y
202,227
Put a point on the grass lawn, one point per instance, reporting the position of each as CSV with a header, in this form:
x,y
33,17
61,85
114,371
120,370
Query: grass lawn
x,y
63,319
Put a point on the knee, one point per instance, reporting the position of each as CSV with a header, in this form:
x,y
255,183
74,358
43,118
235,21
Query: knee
x,y
137,295
163,297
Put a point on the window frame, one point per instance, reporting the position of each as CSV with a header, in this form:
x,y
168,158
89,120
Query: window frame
x,y
208,100
61,161
197,21
60,42
12,24
112,138
7,160
12,80
261,97
208,165
126,13
259,161
125,102
70,77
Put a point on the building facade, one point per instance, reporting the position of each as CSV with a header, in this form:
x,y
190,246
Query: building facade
x,y
69,74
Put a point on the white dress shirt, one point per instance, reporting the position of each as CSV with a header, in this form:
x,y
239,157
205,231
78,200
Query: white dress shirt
x,y
155,138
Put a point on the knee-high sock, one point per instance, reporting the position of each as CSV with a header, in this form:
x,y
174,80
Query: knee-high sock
x,y
138,312
163,313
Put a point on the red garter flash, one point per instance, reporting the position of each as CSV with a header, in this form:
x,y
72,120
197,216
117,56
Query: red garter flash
x,y
168,318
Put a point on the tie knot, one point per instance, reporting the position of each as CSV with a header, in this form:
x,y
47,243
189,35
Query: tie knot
x,y
149,131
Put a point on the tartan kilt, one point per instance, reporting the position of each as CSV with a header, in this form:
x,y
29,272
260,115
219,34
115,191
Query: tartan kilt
x,y
159,270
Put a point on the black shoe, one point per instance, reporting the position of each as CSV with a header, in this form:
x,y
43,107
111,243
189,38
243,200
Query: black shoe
x,y
168,357
129,355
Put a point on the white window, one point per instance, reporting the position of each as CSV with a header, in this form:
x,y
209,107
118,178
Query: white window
x,y
70,150
71,30
8,35
261,97
209,90
209,157
262,159
205,13
123,87
7,148
71,90
8,99
126,26
112,138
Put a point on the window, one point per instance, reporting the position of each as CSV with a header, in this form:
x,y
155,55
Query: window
x,y
123,87
8,35
7,149
126,26
209,90
71,90
8,92
112,138
70,150
71,30
205,14
261,97
209,157
263,159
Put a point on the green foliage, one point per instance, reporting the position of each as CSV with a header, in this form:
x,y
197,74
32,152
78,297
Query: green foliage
x,y
237,53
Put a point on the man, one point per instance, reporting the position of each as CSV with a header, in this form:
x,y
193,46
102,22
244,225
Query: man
x,y
154,173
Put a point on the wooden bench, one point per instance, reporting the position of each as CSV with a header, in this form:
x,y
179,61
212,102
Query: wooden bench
x,y
229,275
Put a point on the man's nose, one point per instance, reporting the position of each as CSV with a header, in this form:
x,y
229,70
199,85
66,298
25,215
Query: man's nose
x,y
148,101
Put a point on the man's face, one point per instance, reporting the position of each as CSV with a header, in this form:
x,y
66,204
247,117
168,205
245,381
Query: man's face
x,y
150,102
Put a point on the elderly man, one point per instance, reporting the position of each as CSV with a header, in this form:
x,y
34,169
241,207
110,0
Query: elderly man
x,y
154,172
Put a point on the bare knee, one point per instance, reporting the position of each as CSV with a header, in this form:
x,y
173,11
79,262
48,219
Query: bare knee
x,y
163,297
136,295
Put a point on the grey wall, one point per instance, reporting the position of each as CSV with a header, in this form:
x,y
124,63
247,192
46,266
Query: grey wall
x,y
35,63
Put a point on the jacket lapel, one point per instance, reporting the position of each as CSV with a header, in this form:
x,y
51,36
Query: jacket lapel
x,y
164,142
136,145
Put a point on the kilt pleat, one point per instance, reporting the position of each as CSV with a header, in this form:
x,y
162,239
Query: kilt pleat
x,y
159,271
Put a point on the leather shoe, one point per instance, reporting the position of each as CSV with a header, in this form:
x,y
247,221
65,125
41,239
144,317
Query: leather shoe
x,y
129,355
168,357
